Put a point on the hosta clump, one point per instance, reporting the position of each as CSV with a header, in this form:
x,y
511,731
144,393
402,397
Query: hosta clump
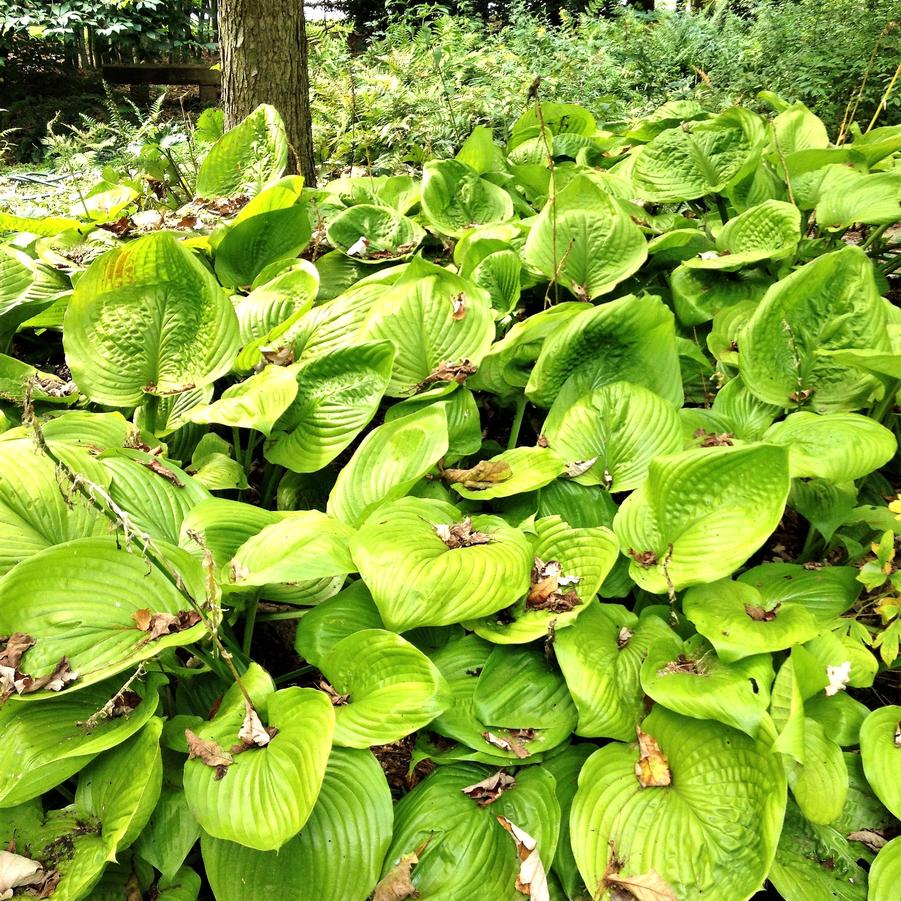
x,y
524,529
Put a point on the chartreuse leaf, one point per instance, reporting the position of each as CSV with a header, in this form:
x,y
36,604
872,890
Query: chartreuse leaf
x,y
516,471
819,784
702,513
148,318
418,578
797,128
246,157
170,833
628,339
689,678
585,241
830,304
840,715
78,600
338,854
873,199
885,872
433,317
880,749
471,855
739,620
695,159
388,463
711,832
601,655
267,794
44,744
584,554
500,274
301,546
840,447
336,395
700,293
456,198
393,689
374,234
621,426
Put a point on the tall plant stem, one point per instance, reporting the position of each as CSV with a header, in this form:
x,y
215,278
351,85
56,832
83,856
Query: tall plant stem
x,y
517,421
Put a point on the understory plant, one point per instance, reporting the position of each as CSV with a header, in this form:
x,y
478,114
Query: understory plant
x,y
523,527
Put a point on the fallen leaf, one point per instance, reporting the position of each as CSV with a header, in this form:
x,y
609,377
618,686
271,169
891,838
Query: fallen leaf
x,y
252,731
711,439
531,879
397,884
459,303
17,871
154,465
838,678
460,534
761,614
650,886
643,558
578,467
625,636
359,247
278,356
489,789
544,591
873,840
513,741
159,624
483,475
12,680
652,768
337,699
208,752
14,647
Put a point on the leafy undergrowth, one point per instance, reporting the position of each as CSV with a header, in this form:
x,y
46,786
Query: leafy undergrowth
x,y
526,529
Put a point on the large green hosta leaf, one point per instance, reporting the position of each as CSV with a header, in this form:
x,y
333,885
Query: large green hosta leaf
x,y
417,578
392,688
699,294
455,198
711,833
870,199
464,852
246,157
374,234
44,744
601,656
831,304
390,460
819,784
148,318
336,396
885,873
78,600
338,854
433,317
584,240
620,426
521,469
702,513
629,339
171,832
696,159
880,749
267,794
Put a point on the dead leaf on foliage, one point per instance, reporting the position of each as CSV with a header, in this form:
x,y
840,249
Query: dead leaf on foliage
x,y
897,741
278,356
578,467
209,753
838,678
397,884
337,699
711,439
13,680
157,467
14,647
481,476
252,731
359,247
460,534
447,372
650,886
643,558
489,789
459,303
872,839
544,591
17,871
513,741
652,768
531,879
761,614
625,636
159,624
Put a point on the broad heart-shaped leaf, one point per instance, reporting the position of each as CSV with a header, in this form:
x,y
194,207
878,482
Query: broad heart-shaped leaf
x,y
421,314
814,862
416,579
840,447
739,620
470,855
711,833
689,678
267,794
880,749
500,274
527,469
702,513
246,157
336,396
621,426
455,198
585,240
388,462
871,199
601,655
393,688
78,600
695,159
826,592
830,304
148,318
44,744
303,545
375,234
819,784
885,872
586,554
338,854
171,831
629,339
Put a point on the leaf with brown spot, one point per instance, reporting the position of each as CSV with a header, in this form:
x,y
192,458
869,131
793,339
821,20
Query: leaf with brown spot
x,y
209,753
483,475
650,886
652,768
761,614
489,789
397,884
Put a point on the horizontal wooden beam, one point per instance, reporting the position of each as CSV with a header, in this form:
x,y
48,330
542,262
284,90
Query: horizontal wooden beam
x,y
161,73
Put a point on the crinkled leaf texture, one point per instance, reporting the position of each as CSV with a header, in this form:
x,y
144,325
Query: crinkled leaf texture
x,y
879,748
711,833
455,198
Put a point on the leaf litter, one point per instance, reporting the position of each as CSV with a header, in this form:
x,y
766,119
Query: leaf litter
x,y
652,767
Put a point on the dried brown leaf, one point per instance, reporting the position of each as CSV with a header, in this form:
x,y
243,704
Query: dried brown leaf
x,y
578,467
397,884
154,465
531,879
872,839
652,768
447,372
14,647
156,625
489,789
459,303
337,699
17,871
209,753
460,534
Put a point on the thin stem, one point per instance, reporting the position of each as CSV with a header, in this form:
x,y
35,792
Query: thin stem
x,y
236,443
249,622
271,477
284,615
517,421
253,439
287,677
810,541
874,236
151,408
886,403
721,208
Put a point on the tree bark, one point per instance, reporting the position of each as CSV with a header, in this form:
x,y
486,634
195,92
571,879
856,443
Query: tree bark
x,y
264,60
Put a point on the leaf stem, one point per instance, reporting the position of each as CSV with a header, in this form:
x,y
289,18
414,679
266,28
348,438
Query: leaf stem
x,y
721,208
151,409
517,421
249,622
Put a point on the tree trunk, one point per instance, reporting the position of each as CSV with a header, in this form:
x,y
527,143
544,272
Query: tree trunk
x,y
264,60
